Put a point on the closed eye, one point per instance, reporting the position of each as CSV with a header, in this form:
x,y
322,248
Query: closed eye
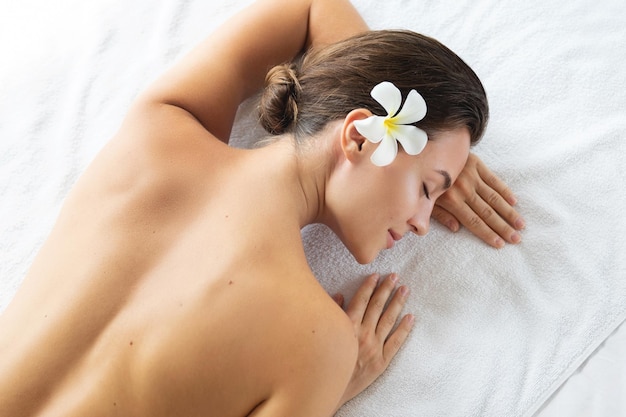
x,y
426,191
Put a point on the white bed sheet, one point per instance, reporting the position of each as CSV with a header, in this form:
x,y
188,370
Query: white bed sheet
x,y
498,332
597,387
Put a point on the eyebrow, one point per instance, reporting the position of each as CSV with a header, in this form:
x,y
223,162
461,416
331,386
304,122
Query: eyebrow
x,y
447,182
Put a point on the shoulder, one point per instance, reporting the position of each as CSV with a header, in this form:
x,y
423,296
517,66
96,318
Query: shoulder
x,y
328,331
161,150
167,133
316,359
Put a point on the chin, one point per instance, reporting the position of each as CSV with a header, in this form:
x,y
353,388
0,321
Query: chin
x,y
363,256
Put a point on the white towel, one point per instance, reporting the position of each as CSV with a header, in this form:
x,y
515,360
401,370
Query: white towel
x,y
497,331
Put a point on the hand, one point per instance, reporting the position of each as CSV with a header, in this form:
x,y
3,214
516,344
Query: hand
x,y
480,201
373,324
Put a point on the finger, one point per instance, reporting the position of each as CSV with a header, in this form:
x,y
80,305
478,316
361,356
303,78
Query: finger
x,y
445,218
358,305
477,215
500,204
472,217
378,302
390,315
482,203
503,217
339,299
493,181
397,338
483,221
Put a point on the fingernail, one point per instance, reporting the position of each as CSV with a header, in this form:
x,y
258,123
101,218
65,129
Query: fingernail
x,y
393,278
499,243
375,278
404,291
453,226
520,224
516,237
512,200
411,319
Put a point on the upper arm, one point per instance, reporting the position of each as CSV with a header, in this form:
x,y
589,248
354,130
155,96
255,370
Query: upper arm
x,y
231,64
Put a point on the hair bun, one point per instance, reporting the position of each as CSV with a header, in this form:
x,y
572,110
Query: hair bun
x,y
278,108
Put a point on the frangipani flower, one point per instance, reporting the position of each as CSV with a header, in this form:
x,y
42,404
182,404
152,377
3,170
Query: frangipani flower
x,y
396,126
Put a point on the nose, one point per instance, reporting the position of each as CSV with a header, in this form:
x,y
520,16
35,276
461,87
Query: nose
x,y
420,222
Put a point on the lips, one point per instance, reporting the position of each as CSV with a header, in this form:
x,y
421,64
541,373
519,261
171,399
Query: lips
x,y
392,238
395,235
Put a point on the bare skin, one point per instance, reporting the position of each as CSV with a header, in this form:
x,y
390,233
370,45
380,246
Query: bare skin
x,y
483,203
175,282
141,303
160,292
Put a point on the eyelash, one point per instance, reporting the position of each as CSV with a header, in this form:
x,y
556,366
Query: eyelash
x,y
426,192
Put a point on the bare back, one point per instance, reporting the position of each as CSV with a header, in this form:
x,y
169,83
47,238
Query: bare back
x,y
173,283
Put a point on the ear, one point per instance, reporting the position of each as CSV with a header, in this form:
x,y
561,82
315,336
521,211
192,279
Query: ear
x,y
351,140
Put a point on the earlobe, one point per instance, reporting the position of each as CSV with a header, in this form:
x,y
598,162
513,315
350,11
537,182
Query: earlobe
x,y
351,140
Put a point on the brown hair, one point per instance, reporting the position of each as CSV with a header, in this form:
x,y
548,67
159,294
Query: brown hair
x,y
301,98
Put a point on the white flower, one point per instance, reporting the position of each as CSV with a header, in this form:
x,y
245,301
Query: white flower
x,y
396,125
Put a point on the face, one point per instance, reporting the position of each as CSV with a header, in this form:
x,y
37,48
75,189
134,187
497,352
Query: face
x,y
376,206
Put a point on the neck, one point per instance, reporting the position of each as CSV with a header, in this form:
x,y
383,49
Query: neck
x,y
296,179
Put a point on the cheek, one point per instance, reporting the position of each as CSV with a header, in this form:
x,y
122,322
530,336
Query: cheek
x,y
373,204
404,197
393,200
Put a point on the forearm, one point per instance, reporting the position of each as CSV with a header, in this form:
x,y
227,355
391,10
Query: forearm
x,y
231,64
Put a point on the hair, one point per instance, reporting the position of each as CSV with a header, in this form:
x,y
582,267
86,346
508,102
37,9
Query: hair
x,y
327,83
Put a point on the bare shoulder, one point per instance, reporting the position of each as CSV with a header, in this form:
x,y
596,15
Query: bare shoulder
x,y
160,157
167,133
316,359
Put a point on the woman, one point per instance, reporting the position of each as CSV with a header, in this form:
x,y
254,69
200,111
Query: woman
x,y
175,282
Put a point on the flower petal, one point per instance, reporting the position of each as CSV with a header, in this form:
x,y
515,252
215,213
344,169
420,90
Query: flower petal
x,y
414,109
412,139
373,128
389,96
386,152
